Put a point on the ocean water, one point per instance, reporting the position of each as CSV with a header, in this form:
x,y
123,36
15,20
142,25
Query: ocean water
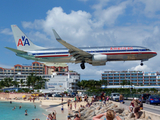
x,y
6,112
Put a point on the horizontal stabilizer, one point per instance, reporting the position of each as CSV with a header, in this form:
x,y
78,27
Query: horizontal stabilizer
x,y
15,50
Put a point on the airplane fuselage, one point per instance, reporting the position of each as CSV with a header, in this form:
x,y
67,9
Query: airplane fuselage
x,y
115,53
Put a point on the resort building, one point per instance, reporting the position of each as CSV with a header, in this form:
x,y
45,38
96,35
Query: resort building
x,y
36,67
63,81
58,76
137,78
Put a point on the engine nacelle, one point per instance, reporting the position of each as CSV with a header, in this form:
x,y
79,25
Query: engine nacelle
x,y
98,60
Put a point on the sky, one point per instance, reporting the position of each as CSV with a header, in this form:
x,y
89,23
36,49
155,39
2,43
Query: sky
x,y
83,23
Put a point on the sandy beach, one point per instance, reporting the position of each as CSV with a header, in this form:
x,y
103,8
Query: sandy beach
x,y
53,104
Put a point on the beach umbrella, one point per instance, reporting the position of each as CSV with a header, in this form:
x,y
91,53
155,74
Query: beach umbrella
x,y
23,96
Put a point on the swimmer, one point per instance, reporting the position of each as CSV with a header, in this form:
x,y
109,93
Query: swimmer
x,y
35,106
10,102
20,107
14,108
26,113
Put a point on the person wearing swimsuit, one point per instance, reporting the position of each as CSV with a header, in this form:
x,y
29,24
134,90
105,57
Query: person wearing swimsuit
x,y
54,115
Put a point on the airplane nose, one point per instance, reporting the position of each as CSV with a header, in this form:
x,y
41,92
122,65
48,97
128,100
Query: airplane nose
x,y
154,54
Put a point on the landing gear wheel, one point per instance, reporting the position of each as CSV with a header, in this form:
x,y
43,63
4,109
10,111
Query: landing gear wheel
x,y
141,64
82,65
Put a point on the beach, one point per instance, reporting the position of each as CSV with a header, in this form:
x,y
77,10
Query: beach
x,y
51,105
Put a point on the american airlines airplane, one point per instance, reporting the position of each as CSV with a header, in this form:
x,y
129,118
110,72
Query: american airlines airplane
x,y
95,56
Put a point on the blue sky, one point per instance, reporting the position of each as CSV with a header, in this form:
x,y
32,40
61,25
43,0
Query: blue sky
x,y
83,23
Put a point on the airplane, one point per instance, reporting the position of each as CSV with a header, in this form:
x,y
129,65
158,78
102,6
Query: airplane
x,y
95,56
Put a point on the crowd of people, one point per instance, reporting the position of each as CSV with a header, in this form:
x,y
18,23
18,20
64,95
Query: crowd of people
x,y
51,116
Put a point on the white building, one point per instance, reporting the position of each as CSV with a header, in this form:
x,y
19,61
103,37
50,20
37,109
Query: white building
x,y
63,81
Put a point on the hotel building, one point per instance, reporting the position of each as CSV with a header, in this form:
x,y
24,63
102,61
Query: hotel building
x,y
137,78
58,76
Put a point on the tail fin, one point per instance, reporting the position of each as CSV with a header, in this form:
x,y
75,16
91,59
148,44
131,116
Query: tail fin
x,y
22,41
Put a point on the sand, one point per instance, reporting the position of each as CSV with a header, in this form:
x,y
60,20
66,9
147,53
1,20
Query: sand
x,y
55,104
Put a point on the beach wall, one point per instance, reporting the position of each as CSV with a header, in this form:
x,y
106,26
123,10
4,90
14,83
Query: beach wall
x,y
13,95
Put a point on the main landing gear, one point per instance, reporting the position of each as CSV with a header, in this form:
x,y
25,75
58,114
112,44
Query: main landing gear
x,y
82,65
141,64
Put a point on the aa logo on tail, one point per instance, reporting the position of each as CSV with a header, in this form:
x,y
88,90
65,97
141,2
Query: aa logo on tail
x,y
24,41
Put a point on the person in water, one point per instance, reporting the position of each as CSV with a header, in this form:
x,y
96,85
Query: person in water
x,y
26,113
14,108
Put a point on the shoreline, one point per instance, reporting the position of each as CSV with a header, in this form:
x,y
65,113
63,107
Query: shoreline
x,y
53,104
47,105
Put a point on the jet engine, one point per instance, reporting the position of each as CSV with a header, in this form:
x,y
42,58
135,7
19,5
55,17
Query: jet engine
x,y
98,60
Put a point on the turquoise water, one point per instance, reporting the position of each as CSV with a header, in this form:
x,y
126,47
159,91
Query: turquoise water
x,y
6,112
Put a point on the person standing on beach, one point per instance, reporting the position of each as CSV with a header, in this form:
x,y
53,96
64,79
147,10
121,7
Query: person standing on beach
x,y
62,109
54,115
62,100
121,98
70,107
48,117
75,104
77,117
68,102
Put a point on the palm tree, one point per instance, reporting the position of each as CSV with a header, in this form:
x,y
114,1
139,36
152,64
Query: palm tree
x,y
2,84
82,84
40,82
104,82
139,90
154,90
22,82
31,80
8,82
123,82
15,83
146,90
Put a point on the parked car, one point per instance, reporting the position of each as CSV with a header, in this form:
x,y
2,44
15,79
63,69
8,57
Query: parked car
x,y
144,97
56,95
115,96
153,99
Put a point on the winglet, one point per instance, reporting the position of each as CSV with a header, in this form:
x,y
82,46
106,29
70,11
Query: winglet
x,y
56,35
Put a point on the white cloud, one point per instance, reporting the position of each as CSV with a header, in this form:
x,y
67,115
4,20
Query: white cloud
x,y
149,7
6,31
109,15
140,68
81,28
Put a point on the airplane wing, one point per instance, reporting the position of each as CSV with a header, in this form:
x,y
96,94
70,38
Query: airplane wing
x,y
15,50
74,51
